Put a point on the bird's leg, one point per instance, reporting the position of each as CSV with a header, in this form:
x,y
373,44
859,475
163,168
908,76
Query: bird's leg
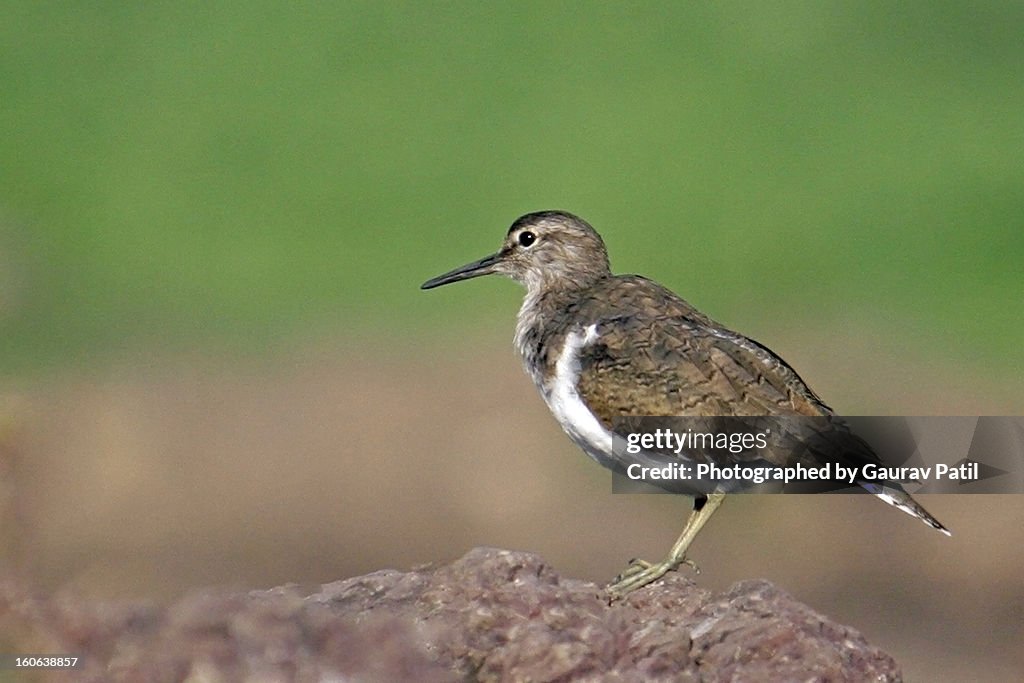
x,y
640,573
637,566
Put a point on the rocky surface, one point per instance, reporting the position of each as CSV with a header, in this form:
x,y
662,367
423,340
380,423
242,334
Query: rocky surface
x,y
492,615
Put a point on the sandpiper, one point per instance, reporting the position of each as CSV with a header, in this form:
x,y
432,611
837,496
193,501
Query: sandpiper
x,y
600,346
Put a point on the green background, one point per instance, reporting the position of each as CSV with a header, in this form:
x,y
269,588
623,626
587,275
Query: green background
x,y
236,177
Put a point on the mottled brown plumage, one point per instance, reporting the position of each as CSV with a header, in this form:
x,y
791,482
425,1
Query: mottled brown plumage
x,y
600,346
657,355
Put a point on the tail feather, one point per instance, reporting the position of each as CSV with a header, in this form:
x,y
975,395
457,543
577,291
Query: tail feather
x,y
895,495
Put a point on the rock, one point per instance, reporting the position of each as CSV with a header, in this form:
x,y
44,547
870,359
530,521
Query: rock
x,y
492,615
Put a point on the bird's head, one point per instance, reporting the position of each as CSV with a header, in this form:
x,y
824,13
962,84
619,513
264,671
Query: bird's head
x,y
543,250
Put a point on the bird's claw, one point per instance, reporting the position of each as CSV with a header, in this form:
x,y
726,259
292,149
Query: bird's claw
x,y
640,573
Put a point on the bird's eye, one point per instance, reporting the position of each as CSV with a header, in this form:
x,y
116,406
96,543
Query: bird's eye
x,y
526,238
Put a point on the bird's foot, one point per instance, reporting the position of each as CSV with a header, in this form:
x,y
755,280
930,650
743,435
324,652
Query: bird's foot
x,y
640,573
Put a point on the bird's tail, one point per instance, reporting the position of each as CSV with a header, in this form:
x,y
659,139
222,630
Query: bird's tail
x,y
893,494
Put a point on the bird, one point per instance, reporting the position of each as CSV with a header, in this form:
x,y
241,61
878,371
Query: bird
x,y
600,347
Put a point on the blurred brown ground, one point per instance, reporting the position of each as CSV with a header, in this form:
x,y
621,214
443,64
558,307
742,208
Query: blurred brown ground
x,y
150,478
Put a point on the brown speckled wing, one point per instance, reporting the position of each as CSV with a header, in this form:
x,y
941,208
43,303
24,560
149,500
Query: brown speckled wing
x,y
656,359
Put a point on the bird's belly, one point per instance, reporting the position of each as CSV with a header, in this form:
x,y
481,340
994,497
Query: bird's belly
x,y
579,423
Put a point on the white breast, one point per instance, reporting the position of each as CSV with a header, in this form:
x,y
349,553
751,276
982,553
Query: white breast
x,y
565,403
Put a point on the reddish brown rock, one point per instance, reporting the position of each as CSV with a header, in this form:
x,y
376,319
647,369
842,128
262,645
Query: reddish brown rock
x,y
492,615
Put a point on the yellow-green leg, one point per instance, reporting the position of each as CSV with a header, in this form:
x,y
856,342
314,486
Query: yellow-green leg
x,y
640,573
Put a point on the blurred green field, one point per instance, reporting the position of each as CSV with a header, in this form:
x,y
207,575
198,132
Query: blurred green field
x,y
182,175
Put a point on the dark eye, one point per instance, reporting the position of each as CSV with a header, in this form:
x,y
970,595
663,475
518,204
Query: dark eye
x,y
526,238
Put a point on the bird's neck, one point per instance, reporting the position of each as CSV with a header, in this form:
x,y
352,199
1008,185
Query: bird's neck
x,y
542,325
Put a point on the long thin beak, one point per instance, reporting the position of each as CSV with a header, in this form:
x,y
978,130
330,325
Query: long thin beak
x,y
484,266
